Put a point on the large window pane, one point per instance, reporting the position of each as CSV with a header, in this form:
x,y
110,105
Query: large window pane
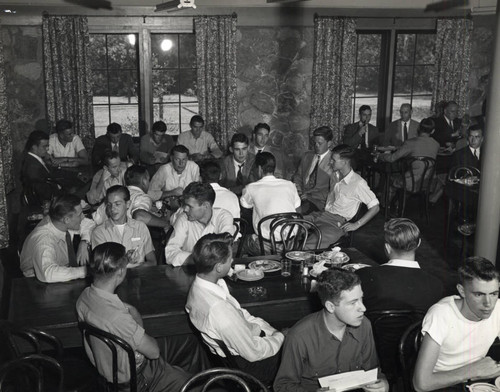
x,y
100,86
405,48
188,85
127,116
188,110
421,107
122,51
367,80
165,86
403,80
423,79
425,49
98,51
101,119
369,49
187,56
123,87
165,50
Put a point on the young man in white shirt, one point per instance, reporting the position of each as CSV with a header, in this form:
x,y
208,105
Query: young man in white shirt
x,y
65,148
459,330
112,173
254,344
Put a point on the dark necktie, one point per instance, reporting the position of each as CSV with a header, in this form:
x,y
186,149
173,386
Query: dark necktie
x,y
311,183
475,154
405,133
71,251
259,151
239,175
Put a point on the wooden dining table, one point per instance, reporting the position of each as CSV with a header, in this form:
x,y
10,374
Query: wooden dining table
x,y
159,293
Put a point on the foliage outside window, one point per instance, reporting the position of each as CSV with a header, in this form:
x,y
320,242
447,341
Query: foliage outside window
x,y
114,63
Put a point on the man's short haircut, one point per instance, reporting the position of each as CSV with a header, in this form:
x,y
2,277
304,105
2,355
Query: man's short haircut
x,y
427,125
106,259
196,118
109,155
449,103
406,104
114,128
159,126
210,250
261,126
200,192
345,151
210,171
181,149
35,138
63,205
118,189
325,132
266,161
475,127
239,138
135,174
362,108
477,267
62,125
332,282
402,234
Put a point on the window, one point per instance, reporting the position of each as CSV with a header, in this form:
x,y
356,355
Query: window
x,y
174,80
114,63
413,73
385,88
167,67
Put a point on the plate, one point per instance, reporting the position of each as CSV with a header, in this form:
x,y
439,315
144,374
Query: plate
x,y
265,265
482,387
250,275
333,258
298,255
497,382
313,273
355,266
467,181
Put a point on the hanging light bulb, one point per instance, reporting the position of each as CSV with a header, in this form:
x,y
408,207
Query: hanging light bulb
x,y
131,39
166,45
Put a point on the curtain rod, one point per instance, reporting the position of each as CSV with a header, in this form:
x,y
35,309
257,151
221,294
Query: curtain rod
x,y
468,16
46,14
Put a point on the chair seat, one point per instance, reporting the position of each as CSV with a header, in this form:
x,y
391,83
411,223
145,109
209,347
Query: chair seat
x,y
79,375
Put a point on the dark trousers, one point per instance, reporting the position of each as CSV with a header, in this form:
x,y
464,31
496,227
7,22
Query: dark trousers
x,y
159,376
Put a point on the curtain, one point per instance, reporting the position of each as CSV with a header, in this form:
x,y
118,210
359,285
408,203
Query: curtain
x,y
6,174
333,73
452,64
68,77
216,56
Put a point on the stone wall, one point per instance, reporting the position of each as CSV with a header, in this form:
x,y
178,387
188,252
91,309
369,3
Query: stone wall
x,y
22,46
274,68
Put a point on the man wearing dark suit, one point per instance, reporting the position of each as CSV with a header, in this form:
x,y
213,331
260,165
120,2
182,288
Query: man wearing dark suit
x,y
113,140
312,177
362,134
237,169
36,177
399,284
448,125
401,130
470,155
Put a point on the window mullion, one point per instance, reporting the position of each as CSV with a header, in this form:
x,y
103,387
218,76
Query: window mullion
x,y
391,73
145,66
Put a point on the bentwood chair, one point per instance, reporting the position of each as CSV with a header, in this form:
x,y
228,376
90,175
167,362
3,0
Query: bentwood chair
x,y
99,339
241,227
27,374
409,345
270,219
294,233
246,382
388,328
77,375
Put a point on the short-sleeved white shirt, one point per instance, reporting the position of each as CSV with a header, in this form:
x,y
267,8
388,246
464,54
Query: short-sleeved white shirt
x,y
70,150
462,341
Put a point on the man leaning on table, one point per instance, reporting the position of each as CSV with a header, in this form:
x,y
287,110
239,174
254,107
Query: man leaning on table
x,y
459,330
48,251
337,339
254,344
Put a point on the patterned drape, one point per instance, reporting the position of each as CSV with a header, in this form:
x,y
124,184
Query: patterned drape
x,y
68,82
216,55
452,66
333,73
6,174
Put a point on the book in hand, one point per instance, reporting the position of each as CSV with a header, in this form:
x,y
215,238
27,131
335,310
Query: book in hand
x,y
349,380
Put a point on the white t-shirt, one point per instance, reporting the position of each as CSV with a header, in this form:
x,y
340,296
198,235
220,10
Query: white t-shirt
x,y
462,341
70,150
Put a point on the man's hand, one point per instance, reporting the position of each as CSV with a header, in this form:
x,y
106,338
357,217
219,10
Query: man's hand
x,y
378,386
362,128
350,226
484,368
176,192
82,254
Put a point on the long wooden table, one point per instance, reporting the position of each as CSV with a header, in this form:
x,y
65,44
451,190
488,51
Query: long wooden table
x,y
159,293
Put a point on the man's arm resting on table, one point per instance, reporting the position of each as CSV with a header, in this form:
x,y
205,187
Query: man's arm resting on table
x,y
361,221
425,379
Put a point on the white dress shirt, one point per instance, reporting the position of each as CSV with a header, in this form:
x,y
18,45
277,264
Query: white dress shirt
x,y
187,233
402,263
347,194
167,179
226,199
218,315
